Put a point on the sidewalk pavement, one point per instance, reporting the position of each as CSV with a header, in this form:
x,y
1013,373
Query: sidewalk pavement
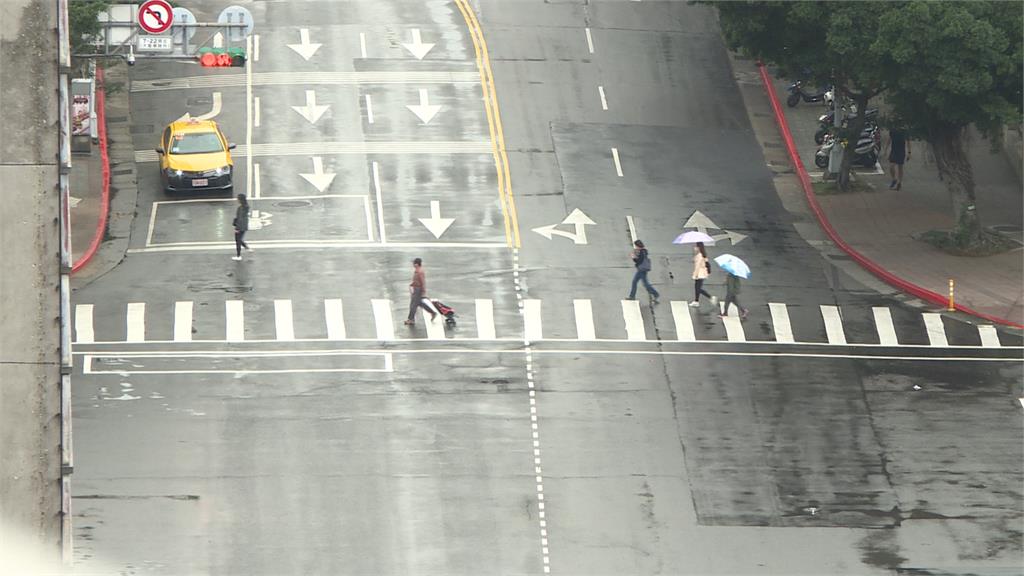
x,y
86,190
884,224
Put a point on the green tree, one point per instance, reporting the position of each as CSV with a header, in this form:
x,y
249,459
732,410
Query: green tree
x,y
830,40
950,65
83,26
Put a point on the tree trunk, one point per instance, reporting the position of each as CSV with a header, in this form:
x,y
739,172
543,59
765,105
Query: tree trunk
x,y
852,131
955,170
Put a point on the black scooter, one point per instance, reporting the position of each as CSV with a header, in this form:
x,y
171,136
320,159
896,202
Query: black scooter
x,y
797,93
826,120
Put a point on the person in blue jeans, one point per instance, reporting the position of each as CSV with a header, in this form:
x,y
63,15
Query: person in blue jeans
x,y
642,262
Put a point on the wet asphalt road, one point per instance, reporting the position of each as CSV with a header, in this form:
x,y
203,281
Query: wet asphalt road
x,y
290,435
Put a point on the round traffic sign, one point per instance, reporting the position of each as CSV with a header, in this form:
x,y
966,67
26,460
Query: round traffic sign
x,y
155,16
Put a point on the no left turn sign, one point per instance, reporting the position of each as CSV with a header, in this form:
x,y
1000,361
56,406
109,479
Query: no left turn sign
x,y
155,16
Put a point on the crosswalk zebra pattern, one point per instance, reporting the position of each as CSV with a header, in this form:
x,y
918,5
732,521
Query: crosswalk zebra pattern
x,y
632,324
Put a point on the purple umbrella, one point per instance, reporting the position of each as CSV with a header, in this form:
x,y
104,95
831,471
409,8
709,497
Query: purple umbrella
x,y
692,237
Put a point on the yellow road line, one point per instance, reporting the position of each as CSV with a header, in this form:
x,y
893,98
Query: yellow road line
x,y
497,133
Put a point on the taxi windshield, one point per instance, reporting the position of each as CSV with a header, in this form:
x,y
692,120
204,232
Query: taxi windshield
x,y
196,143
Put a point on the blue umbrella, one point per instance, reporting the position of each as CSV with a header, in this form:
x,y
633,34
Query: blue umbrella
x,y
733,265
692,237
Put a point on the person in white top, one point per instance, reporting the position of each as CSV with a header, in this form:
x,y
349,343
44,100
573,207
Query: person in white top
x,y
701,270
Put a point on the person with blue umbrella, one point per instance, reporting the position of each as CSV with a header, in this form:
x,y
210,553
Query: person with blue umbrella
x,y
736,269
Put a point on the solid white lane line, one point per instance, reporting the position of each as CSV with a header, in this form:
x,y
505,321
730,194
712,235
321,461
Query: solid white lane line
x,y
989,336
248,117
584,319
362,44
734,329
335,316
380,204
780,321
936,330
283,326
681,317
590,41
632,228
531,320
604,101
183,321
256,111
136,322
618,165
382,319
234,321
83,324
884,326
369,109
634,320
485,319
833,324
256,47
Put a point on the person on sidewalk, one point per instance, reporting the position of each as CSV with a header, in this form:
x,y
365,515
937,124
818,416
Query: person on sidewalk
x,y
241,225
417,290
642,262
732,291
701,270
899,153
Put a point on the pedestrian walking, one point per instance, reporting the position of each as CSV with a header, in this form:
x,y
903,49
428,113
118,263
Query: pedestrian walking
x,y
701,270
732,291
899,153
642,262
241,225
417,290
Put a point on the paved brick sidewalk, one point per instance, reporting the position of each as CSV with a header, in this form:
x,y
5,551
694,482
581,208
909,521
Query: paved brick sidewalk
x,y
883,224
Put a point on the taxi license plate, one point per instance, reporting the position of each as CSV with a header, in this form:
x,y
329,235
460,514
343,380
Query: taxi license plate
x,y
200,182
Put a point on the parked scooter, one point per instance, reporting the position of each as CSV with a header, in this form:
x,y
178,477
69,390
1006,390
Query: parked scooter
x,y
797,93
865,153
826,120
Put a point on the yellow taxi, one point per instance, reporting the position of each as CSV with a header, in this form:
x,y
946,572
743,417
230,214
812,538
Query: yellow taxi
x,y
194,155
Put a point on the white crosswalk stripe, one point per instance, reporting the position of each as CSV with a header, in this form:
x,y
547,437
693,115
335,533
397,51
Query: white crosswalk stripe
x,y
183,321
626,324
780,320
681,318
883,323
584,320
633,319
833,324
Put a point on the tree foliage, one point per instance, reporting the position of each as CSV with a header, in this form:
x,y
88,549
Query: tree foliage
x,y
942,65
83,25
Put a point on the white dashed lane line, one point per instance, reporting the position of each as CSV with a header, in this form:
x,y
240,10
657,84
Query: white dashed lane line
x,y
590,41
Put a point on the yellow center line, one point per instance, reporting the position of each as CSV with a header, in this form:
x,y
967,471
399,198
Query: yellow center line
x,y
497,133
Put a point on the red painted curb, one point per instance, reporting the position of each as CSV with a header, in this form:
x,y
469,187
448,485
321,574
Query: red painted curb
x,y
812,201
101,226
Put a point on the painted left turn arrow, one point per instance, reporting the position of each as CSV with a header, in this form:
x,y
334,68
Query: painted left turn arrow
x,y
435,223
311,111
304,48
577,218
214,110
425,111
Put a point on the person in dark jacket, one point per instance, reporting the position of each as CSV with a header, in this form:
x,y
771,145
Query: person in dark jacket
x,y
642,262
732,292
241,225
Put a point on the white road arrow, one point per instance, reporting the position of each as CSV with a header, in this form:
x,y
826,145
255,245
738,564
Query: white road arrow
x,y
218,40
435,223
319,179
311,111
304,48
214,110
577,218
702,223
417,47
425,111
